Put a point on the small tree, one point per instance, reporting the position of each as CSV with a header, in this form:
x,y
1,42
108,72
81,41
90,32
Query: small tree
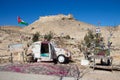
x,y
48,36
91,40
35,37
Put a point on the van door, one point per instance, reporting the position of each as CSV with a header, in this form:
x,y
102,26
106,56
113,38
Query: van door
x,y
52,51
36,50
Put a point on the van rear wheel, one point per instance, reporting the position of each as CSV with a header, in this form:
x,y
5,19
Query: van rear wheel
x,y
61,59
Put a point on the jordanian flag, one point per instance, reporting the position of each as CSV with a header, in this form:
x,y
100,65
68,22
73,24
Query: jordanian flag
x,y
20,21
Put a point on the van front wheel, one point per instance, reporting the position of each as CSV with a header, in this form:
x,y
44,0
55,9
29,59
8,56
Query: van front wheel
x,y
61,59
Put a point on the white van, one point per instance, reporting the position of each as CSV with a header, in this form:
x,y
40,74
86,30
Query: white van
x,y
46,51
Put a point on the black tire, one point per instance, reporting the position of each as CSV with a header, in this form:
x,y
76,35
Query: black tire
x,y
101,61
35,60
108,62
55,61
61,59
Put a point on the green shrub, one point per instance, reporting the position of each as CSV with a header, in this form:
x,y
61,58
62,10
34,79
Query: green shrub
x,y
35,37
48,36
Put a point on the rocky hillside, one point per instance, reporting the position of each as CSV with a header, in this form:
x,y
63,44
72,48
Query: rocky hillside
x,y
59,24
11,35
68,25
13,28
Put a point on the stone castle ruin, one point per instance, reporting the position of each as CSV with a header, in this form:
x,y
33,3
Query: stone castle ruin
x,y
58,17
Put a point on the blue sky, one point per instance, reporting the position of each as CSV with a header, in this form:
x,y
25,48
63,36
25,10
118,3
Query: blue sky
x,y
107,12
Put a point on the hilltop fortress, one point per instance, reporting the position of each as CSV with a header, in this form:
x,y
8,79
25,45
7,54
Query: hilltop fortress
x,y
54,17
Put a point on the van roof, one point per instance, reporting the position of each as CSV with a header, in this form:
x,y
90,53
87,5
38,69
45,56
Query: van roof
x,y
42,42
45,42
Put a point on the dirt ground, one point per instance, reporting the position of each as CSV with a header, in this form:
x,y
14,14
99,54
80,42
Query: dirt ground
x,y
65,70
101,75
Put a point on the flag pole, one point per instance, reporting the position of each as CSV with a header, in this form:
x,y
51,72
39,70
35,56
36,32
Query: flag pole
x,y
98,29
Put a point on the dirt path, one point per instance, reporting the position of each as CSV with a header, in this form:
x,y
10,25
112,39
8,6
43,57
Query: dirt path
x,y
101,75
22,76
